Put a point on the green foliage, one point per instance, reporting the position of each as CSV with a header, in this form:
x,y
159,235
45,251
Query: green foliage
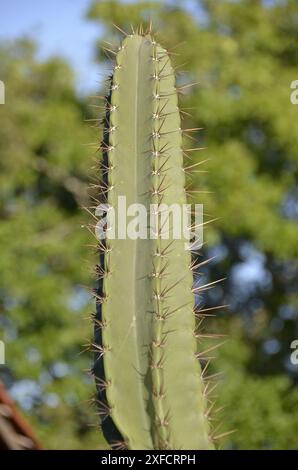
x,y
146,308
273,400
42,308
244,56
243,101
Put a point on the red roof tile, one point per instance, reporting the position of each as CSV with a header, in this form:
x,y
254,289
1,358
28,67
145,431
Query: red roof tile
x,y
15,433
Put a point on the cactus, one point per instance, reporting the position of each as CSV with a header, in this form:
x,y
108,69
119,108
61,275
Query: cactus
x,y
149,380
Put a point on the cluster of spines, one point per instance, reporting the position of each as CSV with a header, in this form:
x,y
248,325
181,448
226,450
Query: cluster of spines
x,y
161,155
103,271
160,159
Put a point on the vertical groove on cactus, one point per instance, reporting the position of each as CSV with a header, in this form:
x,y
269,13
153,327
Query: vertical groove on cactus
x,y
148,378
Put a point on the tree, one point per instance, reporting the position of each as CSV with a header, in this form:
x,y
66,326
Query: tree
x,y
244,57
44,173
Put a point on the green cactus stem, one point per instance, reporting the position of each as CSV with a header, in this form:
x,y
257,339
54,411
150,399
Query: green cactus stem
x,y
148,376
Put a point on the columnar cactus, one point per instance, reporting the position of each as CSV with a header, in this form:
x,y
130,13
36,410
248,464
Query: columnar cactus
x,y
148,375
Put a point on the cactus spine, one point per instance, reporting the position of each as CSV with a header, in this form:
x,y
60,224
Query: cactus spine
x,y
149,380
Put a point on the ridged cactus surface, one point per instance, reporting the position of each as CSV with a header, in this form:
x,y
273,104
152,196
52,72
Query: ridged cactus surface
x,y
149,379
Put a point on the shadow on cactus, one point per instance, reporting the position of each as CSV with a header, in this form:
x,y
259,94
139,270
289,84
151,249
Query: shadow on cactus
x,y
152,392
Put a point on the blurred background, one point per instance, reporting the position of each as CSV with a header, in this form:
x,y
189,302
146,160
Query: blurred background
x,y
244,55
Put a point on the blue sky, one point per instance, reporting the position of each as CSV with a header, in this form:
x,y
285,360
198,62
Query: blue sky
x,y
60,28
